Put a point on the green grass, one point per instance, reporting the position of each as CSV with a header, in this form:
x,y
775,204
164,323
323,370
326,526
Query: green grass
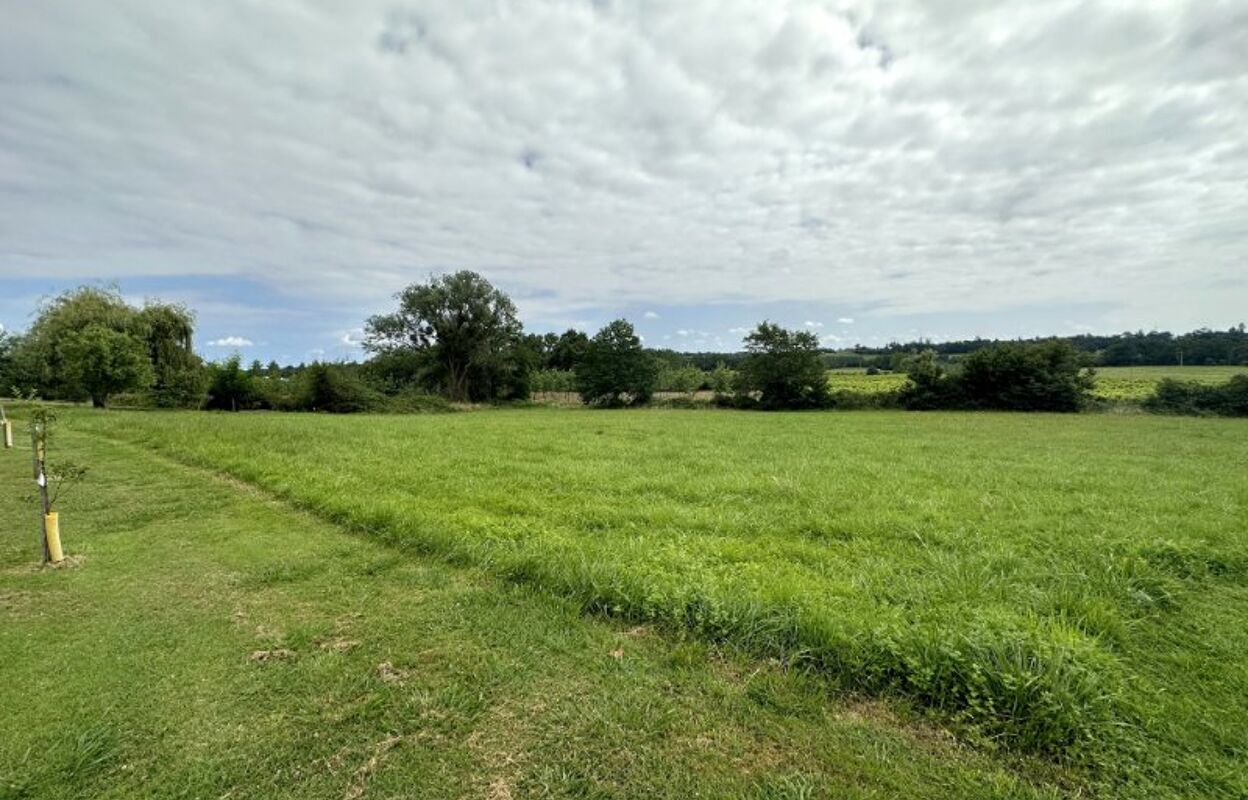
x,y
1072,586
139,672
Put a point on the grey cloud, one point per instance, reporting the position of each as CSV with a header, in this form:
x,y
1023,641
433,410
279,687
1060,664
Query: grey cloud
x,y
912,157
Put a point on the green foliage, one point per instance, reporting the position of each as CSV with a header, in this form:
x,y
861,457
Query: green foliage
x,y
682,379
465,333
1189,397
230,387
178,378
99,362
782,370
11,380
554,380
929,386
721,379
1014,376
561,351
616,370
41,357
1025,376
331,388
51,357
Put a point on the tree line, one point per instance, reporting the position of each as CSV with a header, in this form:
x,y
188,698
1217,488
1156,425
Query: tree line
x,y
457,339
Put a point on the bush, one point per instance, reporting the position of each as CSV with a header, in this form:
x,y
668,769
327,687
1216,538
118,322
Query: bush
x,y
1025,376
1182,397
326,387
930,386
782,371
183,388
1015,376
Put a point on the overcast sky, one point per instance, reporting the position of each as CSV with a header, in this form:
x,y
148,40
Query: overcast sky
x,y
866,170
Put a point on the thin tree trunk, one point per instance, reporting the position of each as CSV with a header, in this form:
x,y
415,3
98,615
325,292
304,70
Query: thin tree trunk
x,y
37,458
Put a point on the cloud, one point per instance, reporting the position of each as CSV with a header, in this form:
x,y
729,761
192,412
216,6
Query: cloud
x,y
351,338
650,315
918,157
845,320
231,341
812,324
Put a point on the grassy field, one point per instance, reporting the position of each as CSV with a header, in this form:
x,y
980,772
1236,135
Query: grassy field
x,y
1065,586
210,642
1112,383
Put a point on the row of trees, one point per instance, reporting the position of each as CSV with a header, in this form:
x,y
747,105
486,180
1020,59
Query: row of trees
x,y
1201,347
459,338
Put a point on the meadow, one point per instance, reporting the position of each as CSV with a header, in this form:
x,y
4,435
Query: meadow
x,y
1067,588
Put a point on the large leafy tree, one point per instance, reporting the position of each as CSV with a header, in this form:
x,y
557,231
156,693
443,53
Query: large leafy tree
x,y
465,331
615,370
45,364
49,359
101,362
782,369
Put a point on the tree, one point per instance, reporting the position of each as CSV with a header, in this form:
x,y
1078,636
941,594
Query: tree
x,y
721,380
331,388
163,331
100,362
230,387
567,350
782,369
464,329
615,369
178,374
41,354
10,377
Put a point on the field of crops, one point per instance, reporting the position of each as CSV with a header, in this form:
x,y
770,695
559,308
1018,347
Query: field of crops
x,y
1137,383
1065,586
1112,383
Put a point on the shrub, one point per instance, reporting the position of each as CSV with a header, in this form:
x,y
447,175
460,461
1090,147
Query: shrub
x,y
181,388
1025,376
1183,397
929,386
1015,376
326,387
